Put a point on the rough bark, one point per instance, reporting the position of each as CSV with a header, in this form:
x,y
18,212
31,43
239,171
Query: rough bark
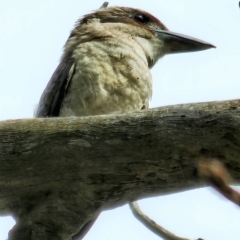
x,y
56,173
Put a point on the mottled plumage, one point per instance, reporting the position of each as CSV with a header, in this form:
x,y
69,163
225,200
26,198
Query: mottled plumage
x,y
105,66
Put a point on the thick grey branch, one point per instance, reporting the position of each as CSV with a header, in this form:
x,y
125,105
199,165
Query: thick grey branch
x,y
62,171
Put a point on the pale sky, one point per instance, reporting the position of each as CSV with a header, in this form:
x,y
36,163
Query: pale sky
x,y
32,34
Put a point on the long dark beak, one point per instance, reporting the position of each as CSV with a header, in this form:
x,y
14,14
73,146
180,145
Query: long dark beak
x,y
179,43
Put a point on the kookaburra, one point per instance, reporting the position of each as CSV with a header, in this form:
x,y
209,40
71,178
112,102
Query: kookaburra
x,y
106,62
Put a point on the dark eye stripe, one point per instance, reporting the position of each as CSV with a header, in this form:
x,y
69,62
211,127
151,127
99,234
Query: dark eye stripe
x,y
139,17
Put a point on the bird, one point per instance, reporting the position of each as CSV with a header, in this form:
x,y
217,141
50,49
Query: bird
x,y
105,66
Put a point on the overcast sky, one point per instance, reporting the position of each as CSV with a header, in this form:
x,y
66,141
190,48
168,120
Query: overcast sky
x,y
32,34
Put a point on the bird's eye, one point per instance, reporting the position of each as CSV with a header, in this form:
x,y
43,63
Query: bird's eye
x,y
141,18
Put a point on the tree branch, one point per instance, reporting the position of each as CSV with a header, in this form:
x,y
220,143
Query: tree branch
x,y
62,171
218,177
152,225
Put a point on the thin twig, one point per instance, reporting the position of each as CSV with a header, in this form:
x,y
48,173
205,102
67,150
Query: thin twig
x,y
153,226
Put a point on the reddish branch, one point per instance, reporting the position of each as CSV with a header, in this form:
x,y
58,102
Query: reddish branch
x,y
218,177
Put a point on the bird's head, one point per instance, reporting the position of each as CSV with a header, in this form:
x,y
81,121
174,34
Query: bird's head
x,y
148,32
